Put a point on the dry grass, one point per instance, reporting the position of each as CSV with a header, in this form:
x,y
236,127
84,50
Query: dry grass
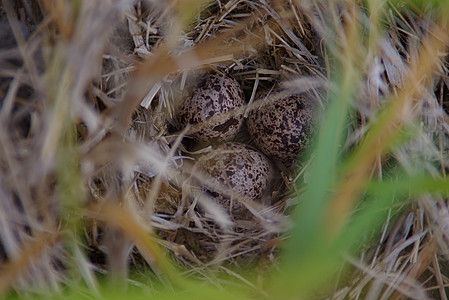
x,y
97,179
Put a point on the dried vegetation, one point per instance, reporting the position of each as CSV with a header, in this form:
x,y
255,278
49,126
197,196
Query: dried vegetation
x,y
95,177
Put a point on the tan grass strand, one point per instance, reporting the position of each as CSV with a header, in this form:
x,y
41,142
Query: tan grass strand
x,y
384,132
120,217
32,250
424,260
162,63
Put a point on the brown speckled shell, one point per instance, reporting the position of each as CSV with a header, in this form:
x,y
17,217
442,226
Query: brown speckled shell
x,y
283,128
215,95
239,168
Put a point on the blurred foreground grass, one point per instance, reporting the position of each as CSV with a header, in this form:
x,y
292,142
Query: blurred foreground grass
x,y
344,204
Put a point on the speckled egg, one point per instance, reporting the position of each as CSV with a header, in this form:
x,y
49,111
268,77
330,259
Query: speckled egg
x,y
215,95
283,128
235,170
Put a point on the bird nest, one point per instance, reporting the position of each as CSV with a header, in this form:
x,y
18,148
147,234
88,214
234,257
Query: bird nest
x,y
94,160
198,234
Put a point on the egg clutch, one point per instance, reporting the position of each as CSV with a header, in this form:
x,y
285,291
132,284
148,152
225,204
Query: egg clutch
x,y
280,126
